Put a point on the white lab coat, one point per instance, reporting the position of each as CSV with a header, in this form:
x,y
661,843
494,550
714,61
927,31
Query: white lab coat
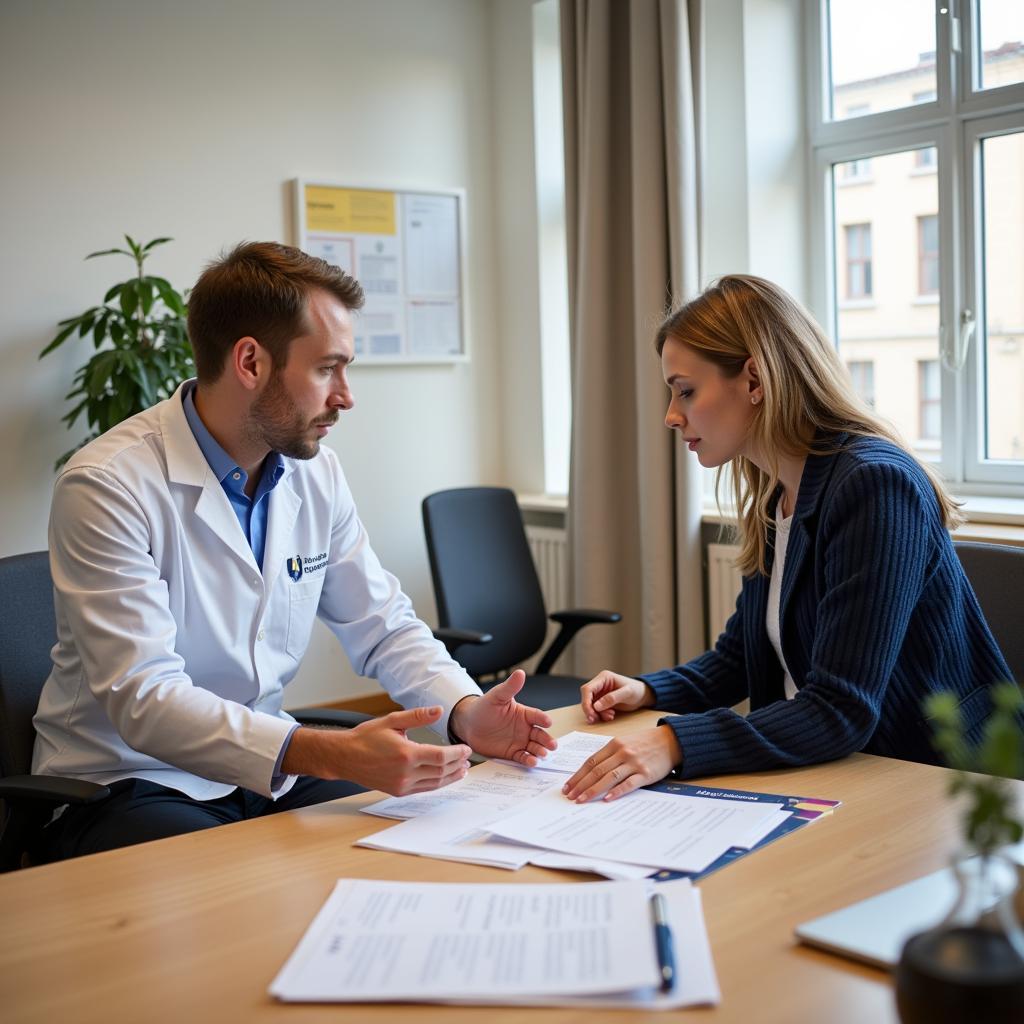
x,y
173,648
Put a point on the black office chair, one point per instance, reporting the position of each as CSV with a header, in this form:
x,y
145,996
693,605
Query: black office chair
x,y
996,572
489,602
28,632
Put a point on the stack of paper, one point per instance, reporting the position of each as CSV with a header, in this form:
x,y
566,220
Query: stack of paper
x,y
377,941
507,816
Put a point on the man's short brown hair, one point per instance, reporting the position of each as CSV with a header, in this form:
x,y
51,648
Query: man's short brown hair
x,y
259,290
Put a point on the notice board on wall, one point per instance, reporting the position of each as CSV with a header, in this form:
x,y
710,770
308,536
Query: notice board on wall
x,y
406,248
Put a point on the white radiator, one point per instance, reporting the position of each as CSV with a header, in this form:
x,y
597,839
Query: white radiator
x,y
549,550
724,582
550,555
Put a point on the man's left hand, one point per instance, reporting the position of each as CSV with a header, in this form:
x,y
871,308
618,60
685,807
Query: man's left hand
x,y
496,725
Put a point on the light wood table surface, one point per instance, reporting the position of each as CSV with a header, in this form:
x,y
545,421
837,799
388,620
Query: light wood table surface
x,y
194,928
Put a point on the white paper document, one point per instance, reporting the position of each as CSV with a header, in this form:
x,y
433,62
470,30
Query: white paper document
x,y
573,749
452,833
680,833
458,832
495,787
379,941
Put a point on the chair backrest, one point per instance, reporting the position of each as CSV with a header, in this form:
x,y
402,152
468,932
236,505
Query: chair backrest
x,y
996,572
28,631
484,576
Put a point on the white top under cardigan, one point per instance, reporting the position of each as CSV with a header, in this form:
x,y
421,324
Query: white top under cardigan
x,y
782,526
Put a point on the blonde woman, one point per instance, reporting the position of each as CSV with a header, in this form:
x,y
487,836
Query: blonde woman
x,y
854,605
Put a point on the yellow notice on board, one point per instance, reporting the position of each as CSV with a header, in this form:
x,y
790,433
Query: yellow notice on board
x,y
348,210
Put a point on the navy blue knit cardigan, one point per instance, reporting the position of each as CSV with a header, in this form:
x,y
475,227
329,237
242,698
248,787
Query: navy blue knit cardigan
x,y
875,613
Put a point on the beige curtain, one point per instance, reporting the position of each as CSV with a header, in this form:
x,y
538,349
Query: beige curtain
x,y
631,136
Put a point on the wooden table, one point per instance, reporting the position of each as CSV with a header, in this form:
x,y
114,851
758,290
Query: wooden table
x,y
194,928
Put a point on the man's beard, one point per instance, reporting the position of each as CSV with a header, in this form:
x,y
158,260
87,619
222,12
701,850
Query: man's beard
x,y
275,420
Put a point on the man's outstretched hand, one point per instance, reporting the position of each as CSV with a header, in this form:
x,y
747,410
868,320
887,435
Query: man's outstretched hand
x,y
496,725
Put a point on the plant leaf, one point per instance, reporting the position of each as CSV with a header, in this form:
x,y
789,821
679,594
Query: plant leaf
x,y
101,366
113,291
129,301
156,241
70,417
107,252
59,339
172,300
100,328
144,289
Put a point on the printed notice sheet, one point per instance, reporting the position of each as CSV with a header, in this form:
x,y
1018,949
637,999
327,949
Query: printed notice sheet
x,y
380,941
405,248
674,832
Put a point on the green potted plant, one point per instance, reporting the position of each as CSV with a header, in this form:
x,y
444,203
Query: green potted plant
x,y
142,352
970,967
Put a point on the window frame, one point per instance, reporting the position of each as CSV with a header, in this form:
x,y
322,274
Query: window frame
x,y
952,123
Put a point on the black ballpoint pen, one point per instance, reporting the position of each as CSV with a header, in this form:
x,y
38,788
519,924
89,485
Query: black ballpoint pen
x,y
663,942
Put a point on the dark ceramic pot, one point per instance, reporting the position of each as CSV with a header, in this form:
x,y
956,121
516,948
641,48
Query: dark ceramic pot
x,y
970,968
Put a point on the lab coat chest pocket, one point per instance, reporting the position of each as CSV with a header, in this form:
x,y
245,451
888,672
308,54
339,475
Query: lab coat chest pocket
x,y
303,599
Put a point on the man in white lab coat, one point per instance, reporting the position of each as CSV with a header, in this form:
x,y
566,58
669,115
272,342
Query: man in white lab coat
x,y
193,545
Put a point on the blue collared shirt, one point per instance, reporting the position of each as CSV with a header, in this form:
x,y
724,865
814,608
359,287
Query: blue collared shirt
x,y
251,512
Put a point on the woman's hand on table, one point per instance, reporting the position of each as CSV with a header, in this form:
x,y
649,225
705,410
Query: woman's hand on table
x,y
624,764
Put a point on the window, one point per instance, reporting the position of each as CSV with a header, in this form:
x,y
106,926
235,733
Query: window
x,y
858,261
862,373
925,159
856,109
928,255
855,57
856,172
939,113
997,43
1002,329
928,400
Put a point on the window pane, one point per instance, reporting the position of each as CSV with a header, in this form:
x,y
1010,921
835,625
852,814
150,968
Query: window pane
x,y
1003,331
928,255
862,373
858,261
929,408
925,160
1000,54
887,278
873,69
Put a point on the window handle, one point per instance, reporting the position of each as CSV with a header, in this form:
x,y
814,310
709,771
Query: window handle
x,y
954,360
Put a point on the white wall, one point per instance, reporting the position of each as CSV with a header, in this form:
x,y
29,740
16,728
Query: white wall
x,y
755,214
188,118
518,311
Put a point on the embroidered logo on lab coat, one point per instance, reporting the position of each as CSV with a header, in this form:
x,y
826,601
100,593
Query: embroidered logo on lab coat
x,y
295,567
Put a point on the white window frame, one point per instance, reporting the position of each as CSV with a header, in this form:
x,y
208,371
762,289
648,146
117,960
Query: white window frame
x,y
954,122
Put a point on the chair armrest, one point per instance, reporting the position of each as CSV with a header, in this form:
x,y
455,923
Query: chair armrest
x,y
52,789
455,638
584,616
572,620
330,717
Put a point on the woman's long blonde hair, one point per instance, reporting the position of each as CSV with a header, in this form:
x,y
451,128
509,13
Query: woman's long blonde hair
x,y
806,390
